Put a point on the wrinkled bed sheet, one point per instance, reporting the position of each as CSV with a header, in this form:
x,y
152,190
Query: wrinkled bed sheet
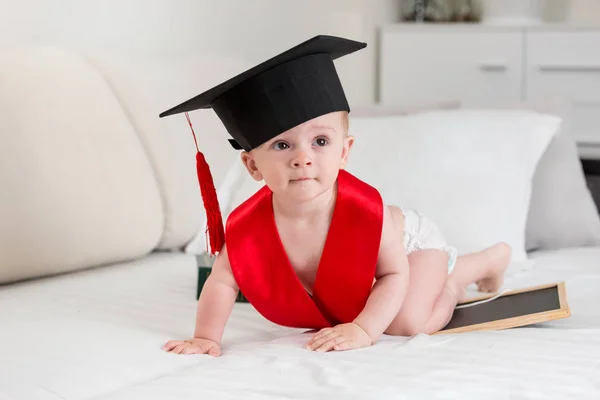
x,y
97,334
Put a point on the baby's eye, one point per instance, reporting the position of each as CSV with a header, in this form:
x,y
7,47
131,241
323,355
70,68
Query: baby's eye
x,y
280,146
321,141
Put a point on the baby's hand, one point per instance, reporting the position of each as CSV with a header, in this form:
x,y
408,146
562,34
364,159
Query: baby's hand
x,y
341,337
193,346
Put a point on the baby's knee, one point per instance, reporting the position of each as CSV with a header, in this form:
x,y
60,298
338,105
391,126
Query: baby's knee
x,y
417,327
408,324
505,249
414,329
501,251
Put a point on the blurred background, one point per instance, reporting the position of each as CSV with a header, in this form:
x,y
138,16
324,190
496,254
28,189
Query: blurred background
x,y
254,29
403,62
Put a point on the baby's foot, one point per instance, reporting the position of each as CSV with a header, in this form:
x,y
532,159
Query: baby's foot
x,y
499,257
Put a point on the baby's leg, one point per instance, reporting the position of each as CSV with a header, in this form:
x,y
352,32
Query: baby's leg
x,y
486,268
431,297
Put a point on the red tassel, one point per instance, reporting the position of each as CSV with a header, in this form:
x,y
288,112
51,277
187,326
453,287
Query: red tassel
x,y
211,205
209,197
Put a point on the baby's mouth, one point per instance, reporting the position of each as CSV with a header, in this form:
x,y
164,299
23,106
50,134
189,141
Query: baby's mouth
x,y
301,179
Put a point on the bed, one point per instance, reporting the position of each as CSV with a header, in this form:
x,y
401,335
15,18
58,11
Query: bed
x,y
97,334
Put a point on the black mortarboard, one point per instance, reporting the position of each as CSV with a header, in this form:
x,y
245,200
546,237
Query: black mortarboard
x,y
291,88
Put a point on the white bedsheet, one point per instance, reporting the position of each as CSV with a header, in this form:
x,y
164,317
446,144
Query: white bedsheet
x,y
97,335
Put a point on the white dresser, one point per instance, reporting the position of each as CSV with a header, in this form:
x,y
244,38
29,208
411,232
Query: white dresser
x,y
491,65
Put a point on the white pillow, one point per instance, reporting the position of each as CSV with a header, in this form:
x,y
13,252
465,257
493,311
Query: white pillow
x,y
558,184
562,213
470,171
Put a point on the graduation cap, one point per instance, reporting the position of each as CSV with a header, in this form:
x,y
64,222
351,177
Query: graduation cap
x,y
255,106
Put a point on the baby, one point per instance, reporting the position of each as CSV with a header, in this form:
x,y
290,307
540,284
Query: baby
x,y
316,247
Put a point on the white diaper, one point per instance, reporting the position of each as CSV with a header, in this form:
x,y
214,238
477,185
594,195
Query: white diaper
x,y
421,233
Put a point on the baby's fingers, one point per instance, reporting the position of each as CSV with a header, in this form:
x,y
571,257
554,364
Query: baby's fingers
x,y
329,344
214,351
345,345
321,338
321,333
179,348
171,344
211,350
187,349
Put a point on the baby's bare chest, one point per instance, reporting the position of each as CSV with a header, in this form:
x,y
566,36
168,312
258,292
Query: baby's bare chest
x,y
304,247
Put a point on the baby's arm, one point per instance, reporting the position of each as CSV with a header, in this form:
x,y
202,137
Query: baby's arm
x,y
392,278
385,300
214,307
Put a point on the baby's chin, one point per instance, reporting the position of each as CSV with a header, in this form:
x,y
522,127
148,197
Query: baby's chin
x,y
306,190
298,187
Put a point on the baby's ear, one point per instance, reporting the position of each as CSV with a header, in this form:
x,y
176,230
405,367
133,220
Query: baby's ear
x,y
348,142
250,165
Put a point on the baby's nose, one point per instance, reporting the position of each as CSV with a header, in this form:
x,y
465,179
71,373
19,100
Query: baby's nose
x,y
301,159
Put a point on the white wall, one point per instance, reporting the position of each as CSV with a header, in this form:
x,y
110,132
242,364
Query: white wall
x,y
255,29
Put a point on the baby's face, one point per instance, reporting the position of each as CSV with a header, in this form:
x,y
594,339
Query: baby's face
x,y
304,161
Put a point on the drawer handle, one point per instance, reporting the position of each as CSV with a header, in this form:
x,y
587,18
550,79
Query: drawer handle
x,y
569,67
493,66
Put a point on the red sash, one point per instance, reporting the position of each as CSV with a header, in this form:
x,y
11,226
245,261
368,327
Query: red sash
x,y
346,269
